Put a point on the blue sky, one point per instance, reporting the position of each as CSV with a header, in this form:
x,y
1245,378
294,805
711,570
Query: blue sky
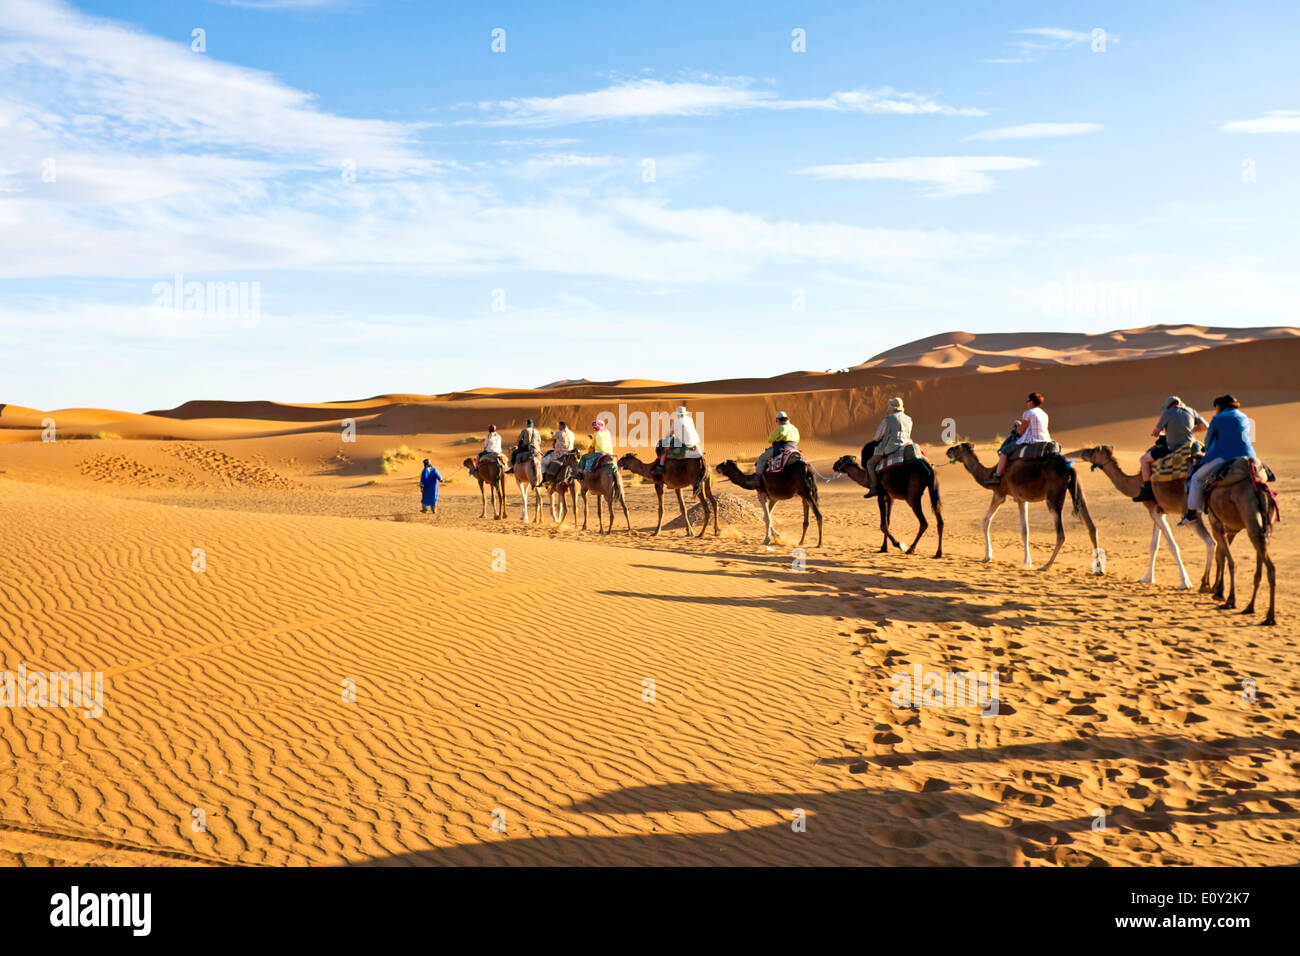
x,y
660,190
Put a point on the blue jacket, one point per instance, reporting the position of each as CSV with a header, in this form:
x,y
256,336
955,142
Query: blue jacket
x,y
1229,436
429,479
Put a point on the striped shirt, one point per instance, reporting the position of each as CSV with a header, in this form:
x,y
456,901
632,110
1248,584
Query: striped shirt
x,y
1035,420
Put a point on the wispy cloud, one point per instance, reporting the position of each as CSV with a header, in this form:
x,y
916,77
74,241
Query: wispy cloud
x,y
1037,42
1036,131
942,175
78,83
1274,121
648,98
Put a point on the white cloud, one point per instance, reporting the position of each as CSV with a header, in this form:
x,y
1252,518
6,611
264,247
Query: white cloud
x,y
1045,40
945,175
1274,121
1068,37
85,81
645,98
1036,131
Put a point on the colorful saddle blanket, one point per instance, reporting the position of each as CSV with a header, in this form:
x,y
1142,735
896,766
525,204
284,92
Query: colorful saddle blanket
x,y
1177,462
778,461
909,452
593,460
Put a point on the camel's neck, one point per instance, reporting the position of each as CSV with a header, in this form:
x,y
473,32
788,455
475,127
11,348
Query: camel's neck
x,y
637,466
1128,484
857,473
979,471
750,482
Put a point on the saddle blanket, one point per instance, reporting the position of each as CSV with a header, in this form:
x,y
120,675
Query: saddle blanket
x,y
1177,462
681,451
590,461
905,454
779,461
1036,449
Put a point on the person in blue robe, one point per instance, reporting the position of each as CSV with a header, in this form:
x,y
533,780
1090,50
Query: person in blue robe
x,y
429,479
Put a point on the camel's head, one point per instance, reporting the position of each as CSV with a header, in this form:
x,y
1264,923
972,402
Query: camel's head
x,y
843,463
725,466
958,452
469,463
1097,456
627,460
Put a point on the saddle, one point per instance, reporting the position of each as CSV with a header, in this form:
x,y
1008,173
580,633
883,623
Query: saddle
x,y
1176,463
681,451
778,461
521,453
1230,472
909,452
605,460
1236,470
1035,449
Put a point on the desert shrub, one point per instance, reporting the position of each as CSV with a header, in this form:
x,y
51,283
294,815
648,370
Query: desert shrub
x,y
394,458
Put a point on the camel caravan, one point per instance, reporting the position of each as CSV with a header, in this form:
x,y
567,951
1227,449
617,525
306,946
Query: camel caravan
x,y
1221,484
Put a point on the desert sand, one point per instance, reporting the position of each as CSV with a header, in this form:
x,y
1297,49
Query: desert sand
x,y
540,695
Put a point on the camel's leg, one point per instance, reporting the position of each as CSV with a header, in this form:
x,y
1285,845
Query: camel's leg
x,y
584,510
482,494
914,499
804,533
713,503
817,513
681,503
523,492
622,501
1060,534
1207,539
1259,574
1184,581
1024,535
885,536
766,502
659,493
1220,552
1153,548
1271,618
987,521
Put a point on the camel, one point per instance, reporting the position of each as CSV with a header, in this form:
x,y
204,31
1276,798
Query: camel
x,y
1242,506
487,470
1171,498
1030,479
907,482
678,473
794,479
525,472
604,483
561,487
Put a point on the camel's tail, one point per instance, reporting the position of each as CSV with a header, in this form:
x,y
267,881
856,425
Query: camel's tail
x,y
1076,490
934,494
810,480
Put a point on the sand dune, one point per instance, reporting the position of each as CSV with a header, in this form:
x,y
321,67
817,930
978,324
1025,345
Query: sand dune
x,y
628,699
997,350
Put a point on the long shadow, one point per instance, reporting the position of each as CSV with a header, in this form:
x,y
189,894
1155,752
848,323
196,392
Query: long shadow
x,y
926,602
869,825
